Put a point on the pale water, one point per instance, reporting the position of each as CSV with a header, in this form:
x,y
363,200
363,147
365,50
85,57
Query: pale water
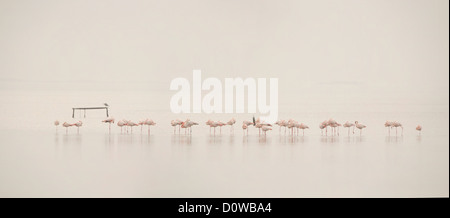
x,y
38,160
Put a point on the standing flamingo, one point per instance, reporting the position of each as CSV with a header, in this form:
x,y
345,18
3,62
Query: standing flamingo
x,y
419,128
389,125
67,125
78,125
56,125
214,125
265,129
322,126
396,125
131,124
348,125
360,127
209,122
245,127
303,127
231,123
120,124
175,123
109,121
149,123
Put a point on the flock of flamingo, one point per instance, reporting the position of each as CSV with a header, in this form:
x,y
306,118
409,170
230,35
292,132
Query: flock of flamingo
x,y
292,125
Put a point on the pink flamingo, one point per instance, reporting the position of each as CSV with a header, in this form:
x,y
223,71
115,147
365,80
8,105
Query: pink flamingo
x,y
149,123
131,124
231,123
67,125
120,124
322,126
209,122
176,123
389,125
78,125
244,127
303,126
265,129
214,125
109,121
220,124
348,125
56,123
396,125
360,127
419,128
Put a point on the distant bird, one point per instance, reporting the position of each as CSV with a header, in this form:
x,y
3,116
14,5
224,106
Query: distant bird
x,y
396,124
106,104
149,123
109,121
303,126
176,123
231,123
360,127
67,125
214,125
419,128
248,123
78,125
322,126
220,124
265,129
56,124
388,124
188,125
131,124
121,124
348,125
244,127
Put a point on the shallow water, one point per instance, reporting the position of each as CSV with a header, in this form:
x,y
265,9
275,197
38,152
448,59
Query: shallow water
x,y
37,160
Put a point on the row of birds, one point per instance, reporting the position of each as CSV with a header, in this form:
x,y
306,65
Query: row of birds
x,y
292,125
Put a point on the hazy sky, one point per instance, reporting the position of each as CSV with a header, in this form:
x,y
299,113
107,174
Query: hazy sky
x,y
394,45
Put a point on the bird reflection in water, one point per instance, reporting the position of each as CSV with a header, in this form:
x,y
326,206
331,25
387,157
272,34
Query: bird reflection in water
x,y
181,139
329,139
394,139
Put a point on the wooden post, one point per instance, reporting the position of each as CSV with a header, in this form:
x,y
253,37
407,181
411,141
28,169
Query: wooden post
x,y
107,115
84,113
73,112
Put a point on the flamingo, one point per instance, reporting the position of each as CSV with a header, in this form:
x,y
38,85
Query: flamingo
x,y
280,124
56,125
388,124
265,129
120,124
149,123
324,125
220,124
214,125
109,121
231,123
175,123
334,126
419,128
291,124
188,125
209,122
396,125
303,126
67,125
245,127
360,127
348,125
131,124
78,125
